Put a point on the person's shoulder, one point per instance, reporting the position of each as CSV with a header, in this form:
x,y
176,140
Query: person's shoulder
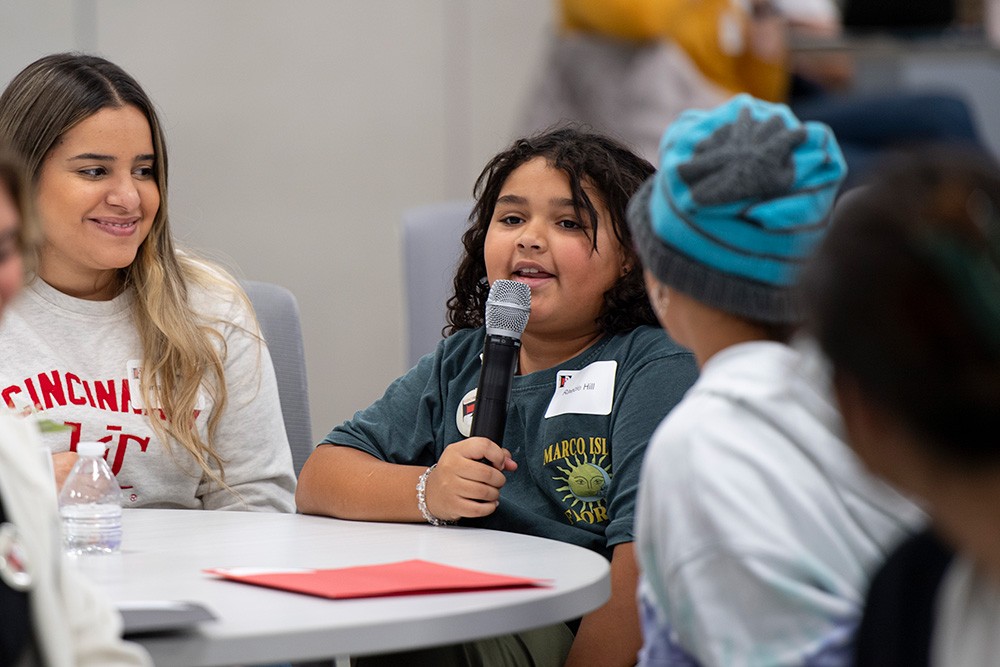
x,y
710,435
900,608
451,352
644,344
649,339
692,474
212,291
462,343
464,336
203,275
919,561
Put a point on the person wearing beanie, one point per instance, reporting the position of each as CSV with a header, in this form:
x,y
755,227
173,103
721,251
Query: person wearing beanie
x,y
757,528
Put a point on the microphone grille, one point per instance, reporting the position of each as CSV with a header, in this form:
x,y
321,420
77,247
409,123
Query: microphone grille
x,y
507,308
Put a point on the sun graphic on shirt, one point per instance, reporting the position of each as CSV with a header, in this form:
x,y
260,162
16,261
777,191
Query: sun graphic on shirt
x,y
586,482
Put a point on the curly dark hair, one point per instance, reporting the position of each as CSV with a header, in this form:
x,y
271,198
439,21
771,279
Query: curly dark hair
x,y
586,158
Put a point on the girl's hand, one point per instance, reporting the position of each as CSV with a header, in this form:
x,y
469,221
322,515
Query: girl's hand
x,y
62,463
467,479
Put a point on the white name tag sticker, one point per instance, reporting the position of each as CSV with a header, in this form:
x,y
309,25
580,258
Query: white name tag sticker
x,y
588,391
133,368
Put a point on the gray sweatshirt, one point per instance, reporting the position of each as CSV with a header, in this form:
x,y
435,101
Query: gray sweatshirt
x,y
78,363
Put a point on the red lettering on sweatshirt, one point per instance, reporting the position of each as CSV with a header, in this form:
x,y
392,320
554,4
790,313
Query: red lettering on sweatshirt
x,y
30,386
71,393
54,389
106,397
90,396
51,387
120,447
123,441
8,395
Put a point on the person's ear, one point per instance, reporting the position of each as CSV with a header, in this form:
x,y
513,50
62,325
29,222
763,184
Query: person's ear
x,y
659,295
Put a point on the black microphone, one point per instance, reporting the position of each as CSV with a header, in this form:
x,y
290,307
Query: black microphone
x,y
507,308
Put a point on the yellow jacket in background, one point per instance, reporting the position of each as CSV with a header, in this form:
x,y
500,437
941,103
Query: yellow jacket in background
x,y
716,35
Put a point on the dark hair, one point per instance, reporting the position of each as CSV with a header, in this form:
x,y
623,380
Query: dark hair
x,y
12,176
586,158
904,296
14,183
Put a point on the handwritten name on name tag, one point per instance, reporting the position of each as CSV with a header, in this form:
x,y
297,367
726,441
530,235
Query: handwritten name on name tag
x,y
588,391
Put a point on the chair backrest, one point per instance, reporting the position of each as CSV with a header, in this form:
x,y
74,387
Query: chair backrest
x,y
432,247
278,314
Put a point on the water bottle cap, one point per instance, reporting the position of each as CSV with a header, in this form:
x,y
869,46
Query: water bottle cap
x,y
91,449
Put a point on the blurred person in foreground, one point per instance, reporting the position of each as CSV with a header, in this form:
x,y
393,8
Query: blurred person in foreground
x,y
905,300
757,527
50,615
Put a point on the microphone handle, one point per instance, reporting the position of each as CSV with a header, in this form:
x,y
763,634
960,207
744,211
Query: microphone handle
x,y
493,393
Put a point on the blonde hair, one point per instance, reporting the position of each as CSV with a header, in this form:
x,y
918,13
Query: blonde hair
x,y
181,352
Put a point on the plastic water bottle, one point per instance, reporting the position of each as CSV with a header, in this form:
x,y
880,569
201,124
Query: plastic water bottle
x,y
90,504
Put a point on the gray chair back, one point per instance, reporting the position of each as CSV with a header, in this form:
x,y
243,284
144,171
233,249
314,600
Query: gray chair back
x,y
278,314
432,247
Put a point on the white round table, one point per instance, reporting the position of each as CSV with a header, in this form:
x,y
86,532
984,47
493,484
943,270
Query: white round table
x,y
165,551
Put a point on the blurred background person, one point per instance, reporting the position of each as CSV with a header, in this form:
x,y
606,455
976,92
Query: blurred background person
x,y
629,67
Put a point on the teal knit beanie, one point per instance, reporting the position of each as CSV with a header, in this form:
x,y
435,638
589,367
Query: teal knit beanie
x,y
742,196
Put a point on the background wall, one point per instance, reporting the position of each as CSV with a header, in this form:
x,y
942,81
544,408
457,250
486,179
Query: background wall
x,y
299,132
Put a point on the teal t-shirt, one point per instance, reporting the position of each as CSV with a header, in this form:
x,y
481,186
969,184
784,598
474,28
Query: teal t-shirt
x,y
578,431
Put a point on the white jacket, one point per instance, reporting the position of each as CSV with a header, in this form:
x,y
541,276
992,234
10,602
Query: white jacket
x,y
757,527
74,624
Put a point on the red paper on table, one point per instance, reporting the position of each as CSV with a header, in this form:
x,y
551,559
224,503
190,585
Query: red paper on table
x,y
406,577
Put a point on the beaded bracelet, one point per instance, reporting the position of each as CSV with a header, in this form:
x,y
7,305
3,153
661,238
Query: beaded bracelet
x,y
422,499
